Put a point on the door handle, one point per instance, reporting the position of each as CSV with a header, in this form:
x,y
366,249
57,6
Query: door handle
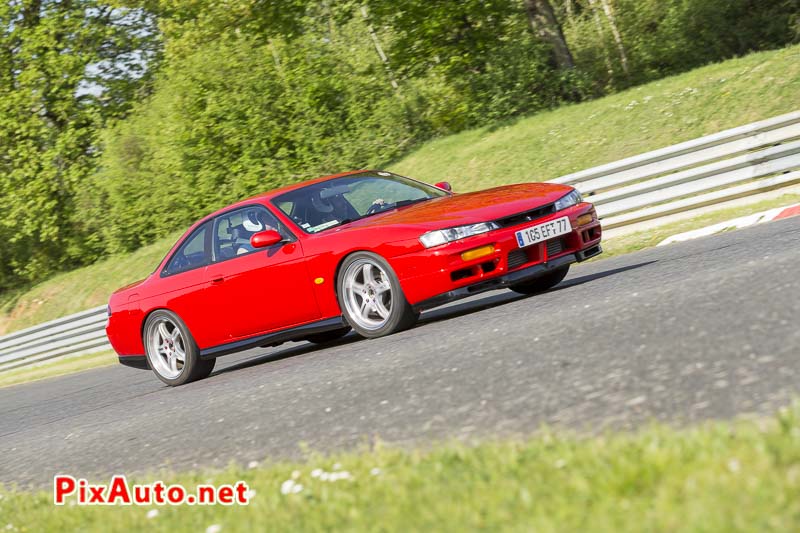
x,y
217,280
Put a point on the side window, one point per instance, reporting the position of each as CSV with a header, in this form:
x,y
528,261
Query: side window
x,y
191,254
232,231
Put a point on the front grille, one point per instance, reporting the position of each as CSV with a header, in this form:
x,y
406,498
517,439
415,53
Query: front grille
x,y
527,216
555,247
517,258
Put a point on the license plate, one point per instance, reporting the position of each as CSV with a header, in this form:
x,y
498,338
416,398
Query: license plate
x,y
542,232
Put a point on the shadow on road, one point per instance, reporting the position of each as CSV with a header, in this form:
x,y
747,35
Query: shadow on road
x,y
572,282
293,351
435,315
474,306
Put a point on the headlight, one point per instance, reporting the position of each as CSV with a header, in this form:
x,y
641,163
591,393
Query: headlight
x,y
569,200
442,236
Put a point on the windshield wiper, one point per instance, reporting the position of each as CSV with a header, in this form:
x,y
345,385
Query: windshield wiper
x,y
403,203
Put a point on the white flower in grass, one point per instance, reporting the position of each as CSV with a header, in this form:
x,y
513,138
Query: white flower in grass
x,y
295,474
375,471
337,466
733,465
252,464
290,487
249,494
152,513
316,472
214,528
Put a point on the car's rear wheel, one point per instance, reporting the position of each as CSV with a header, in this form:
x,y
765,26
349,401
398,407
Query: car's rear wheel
x,y
542,283
328,336
171,351
371,298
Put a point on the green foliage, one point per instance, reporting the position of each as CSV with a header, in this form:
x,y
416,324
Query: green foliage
x,y
65,67
664,37
244,112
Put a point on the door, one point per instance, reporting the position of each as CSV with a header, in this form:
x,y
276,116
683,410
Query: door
x,y
255,291
183,285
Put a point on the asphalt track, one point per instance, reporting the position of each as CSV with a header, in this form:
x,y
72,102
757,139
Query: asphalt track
x,y
705,329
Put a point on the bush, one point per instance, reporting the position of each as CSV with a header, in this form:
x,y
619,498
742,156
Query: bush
x,y
231,120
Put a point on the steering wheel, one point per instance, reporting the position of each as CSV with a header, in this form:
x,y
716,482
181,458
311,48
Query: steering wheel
x,y
374,208
180,262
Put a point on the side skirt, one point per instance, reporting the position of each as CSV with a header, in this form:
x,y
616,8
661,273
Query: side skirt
x,y
277,337
135,361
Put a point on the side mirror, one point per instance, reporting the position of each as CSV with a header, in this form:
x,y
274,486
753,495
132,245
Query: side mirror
x,y
445,186
262,239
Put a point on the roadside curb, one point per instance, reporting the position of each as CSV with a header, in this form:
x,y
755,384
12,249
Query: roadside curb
x,y
736,223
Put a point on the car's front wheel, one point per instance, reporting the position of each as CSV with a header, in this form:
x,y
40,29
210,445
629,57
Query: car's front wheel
x,y
371,298
171,351
542,283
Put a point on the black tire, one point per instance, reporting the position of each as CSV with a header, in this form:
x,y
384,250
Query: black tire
x,y
328,336
542,283
191,368
399,315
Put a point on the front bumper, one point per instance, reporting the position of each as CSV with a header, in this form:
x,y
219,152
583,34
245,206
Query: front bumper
x,y
437,275
508,280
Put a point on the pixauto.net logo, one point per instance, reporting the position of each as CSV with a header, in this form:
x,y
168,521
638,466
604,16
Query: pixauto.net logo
x,y
118,492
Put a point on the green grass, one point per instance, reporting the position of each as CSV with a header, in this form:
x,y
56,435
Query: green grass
x,y
540,147
645,239
740,476
58,367
568,139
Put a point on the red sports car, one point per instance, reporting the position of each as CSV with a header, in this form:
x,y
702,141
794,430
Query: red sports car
x,y
366,250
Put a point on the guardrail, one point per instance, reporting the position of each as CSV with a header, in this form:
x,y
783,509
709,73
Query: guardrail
x,y
80,333
742,161
734,163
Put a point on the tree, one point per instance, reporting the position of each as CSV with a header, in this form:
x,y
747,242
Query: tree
x,y
612,23
66,67
546,26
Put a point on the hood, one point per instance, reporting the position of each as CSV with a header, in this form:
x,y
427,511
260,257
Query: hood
x,y
469,208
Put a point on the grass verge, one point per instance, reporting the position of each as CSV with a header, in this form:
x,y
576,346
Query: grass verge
x,y
58,367
741,476
632,242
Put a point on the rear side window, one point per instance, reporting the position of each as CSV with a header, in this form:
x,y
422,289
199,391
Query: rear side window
x,y
192,254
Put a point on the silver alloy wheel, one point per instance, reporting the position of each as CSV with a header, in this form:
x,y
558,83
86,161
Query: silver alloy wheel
x,y
166,348
367,294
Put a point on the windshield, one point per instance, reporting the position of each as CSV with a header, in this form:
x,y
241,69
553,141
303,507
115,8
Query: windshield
x,y
331,203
